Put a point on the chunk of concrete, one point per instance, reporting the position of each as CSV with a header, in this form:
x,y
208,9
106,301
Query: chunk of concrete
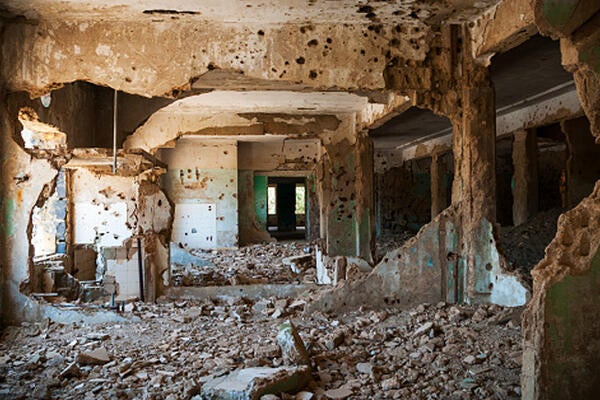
x,y
95,357
252,383
293,350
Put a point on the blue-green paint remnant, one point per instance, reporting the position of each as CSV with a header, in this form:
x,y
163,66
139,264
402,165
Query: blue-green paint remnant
x,y
260,200
8,207
486,257
559,12
572,336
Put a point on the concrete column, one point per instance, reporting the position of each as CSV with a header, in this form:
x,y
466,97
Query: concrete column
x,y
474,195
346,191
583,167
439,197
474,147
525,163
312,208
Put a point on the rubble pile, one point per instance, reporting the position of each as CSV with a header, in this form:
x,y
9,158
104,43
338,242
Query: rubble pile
x,y
255,264
524,244
192,350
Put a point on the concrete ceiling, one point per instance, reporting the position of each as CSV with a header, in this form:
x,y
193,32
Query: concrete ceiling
x,y
253,11
521,73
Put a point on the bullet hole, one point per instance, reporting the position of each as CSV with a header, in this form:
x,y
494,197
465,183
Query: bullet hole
x,y
362,52
397,12
394,42
329,40
312,74
300,60
127,79
133,67
211,66
490,286
159,202
365,9
488,267
225,152
375,28
261,33
313,42
375,59
413,15
286,63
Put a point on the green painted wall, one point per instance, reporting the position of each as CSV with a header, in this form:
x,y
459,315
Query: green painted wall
x,y
260,200
558,12
571,357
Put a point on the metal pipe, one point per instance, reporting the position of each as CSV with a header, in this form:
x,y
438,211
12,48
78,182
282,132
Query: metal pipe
x,y
115,132
140,268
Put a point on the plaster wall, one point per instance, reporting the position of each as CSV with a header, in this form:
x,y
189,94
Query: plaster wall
x,y
204,172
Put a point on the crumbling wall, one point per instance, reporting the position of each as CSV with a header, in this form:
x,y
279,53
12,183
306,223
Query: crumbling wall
x,y
449,82
561,323
23,180
561,346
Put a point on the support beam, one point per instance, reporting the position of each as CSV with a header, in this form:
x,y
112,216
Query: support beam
x,y
525,191
474,146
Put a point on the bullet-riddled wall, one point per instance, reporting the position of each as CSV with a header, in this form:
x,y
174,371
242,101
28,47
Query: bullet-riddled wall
x,y
202,182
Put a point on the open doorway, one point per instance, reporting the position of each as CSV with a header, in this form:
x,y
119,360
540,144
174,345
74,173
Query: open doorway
x,y
286,208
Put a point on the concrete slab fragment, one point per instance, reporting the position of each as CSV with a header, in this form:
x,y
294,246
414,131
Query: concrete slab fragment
x,y
252,383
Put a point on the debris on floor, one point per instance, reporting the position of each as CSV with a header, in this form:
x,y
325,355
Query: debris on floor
x,y
179,350
255,264
524,245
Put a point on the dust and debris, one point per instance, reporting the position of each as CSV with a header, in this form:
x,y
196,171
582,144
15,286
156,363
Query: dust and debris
x,y
170,350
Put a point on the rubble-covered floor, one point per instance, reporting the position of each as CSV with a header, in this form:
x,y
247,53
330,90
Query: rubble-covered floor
x,y
254,264
167,351
524,244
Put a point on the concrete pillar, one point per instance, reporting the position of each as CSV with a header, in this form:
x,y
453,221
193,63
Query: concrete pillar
x,y
345,185
525,163
583,168
474,146
312,208
439,192
474,193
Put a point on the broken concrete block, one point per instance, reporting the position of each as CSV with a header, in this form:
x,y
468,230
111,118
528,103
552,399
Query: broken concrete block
x,y
339,393
95,357
252,383
292,347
